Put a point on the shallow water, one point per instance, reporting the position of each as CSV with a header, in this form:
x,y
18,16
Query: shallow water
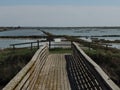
x,y
84,32
4,43
115,45
21,32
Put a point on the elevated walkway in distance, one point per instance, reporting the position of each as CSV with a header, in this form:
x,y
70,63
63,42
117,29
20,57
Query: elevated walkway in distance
x,y
61,72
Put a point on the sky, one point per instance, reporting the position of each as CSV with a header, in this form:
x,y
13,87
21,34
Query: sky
x,y
60,13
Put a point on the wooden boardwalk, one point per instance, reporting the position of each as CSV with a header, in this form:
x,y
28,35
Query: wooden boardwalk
x,y
63,72
53,75
48,71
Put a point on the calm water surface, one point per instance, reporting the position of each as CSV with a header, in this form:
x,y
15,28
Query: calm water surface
x,y
5,43
21,32
84,32
72,32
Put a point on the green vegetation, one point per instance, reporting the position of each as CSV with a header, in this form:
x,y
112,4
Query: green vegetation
x,y
60,50
11,62
109,61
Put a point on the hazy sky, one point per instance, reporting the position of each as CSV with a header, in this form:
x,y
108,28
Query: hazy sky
x,y
59,12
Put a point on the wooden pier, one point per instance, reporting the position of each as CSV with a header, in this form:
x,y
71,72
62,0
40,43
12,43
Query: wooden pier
x,y
74,71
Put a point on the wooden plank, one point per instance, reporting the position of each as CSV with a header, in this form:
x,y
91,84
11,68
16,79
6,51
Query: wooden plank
x,y
55,67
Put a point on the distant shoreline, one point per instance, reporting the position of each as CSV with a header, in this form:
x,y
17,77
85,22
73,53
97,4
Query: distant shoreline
x,y
55,36
40,28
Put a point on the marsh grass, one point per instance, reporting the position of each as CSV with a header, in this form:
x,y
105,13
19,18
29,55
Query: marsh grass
x,y
11,62
109,61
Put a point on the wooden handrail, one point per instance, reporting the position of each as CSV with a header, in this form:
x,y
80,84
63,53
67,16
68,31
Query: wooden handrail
x,y
38,45
31,43
31,69
104,77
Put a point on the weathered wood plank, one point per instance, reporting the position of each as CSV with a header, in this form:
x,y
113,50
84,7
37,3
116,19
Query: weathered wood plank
x,y
54,74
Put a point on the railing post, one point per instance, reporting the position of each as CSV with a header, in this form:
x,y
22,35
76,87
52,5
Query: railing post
x,y
38,44
31,46
49,44
106,48
71,44
89,46
13,47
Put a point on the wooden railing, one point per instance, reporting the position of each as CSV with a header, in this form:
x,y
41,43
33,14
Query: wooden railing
x,y
86,73
65,44
91,71
28,76
31,44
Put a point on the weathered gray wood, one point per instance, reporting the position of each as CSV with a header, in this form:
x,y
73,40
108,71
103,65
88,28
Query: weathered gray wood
x,y
54,74
95,75
25,73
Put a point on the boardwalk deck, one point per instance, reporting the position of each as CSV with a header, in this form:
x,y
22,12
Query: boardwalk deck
x,y
54,74
61,72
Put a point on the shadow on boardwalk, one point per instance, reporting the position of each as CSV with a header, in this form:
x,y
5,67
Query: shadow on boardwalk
x,y
71,77
81,77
